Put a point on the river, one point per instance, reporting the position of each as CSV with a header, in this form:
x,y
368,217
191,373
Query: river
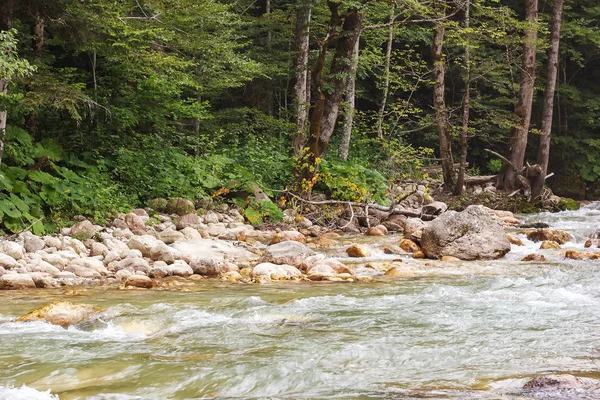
x,y
477,330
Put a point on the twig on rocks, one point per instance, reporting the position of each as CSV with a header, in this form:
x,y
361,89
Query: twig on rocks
x,y
351,217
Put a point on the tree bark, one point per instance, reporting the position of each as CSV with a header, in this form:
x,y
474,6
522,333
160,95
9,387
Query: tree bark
x,y
38,33
350,101
301,92
386,77
326,107
458,189
338,73
543,155
439,103
519,133
3,117
6,13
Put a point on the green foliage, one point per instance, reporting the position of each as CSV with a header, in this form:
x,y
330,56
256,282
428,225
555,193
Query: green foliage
x,y
264,211
494,165
350,181
11,65
39,186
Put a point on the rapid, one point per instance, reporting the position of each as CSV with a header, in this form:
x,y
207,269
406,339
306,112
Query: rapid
x,y
467,330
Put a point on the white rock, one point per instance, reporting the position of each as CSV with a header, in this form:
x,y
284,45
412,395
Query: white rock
x,y
7,261
143,243
16,281
13,249
56,260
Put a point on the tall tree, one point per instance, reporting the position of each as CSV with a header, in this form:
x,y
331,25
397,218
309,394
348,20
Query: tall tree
x,y
301,87
327,103
464,131
386,75
439,100
519,132
350,104
548,108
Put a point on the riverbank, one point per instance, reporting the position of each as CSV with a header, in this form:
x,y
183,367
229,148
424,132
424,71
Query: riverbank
x,y
146,249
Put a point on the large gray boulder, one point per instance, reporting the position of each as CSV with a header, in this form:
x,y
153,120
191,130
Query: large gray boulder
x,y
289,252
472,234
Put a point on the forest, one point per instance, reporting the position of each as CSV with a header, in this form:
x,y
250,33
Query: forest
x,y
107,105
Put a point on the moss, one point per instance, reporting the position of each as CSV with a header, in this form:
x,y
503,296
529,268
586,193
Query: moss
x,y
567,204
158,204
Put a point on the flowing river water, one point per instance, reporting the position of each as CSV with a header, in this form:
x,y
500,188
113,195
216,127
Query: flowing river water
x,y
477,330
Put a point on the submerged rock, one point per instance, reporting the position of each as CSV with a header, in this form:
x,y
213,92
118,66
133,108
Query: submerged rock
x,y
469,235
285,236
556,235
272,271
534,257
582,255
563,381
139,281
358,250
549,244
62,313
514,240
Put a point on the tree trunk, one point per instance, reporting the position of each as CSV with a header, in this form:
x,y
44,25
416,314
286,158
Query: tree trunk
x,y
386,77
326,107
338,73
3,116
458,189
518,136
350,97
439,103
38,34
6,12
543,155
301,92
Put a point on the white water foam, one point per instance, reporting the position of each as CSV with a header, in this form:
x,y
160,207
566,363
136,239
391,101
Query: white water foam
x,y
25,393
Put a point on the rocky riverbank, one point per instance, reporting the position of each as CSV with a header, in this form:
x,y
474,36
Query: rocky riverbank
x,y
139,249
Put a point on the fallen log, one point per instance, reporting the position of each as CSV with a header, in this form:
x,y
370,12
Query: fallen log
x,y
480,180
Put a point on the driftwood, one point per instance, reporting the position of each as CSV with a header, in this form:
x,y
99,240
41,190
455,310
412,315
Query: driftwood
x,y
436,169
480,180
392,209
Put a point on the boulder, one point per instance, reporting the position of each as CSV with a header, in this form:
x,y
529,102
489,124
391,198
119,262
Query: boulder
x,y
358,250
450,259
170,236
232,276
514,240
395,223
376,231
288,235
539,235
139,281
55,259
408,245
143,243
7,261
52,241
43,266
33,243
549,244
211,217
582,255
16,281
188,220
41,280
83,230
82,271
162,252
76,245
98,249
133,264
434,208
206,266
289,252
180,268
180,206
396,272
62,313
320,272
414,227
191,233
534,257
13,249
135,224
217,250
469,235
393,249
276,271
